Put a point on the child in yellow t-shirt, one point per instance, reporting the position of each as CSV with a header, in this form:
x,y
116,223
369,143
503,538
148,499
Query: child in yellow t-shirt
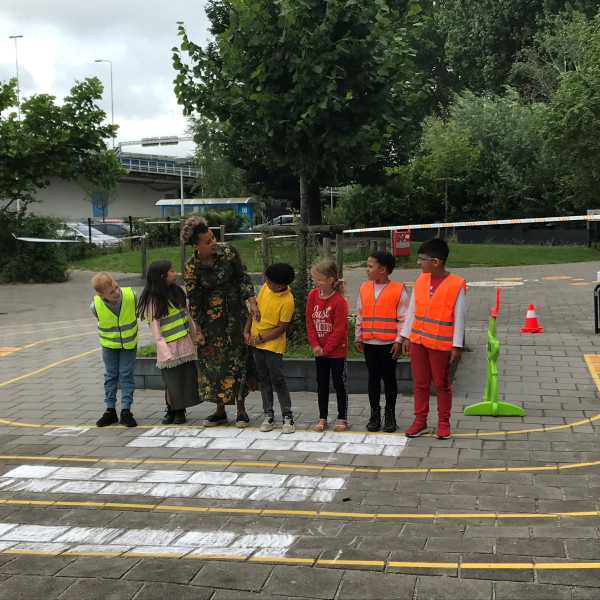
x,y
267,339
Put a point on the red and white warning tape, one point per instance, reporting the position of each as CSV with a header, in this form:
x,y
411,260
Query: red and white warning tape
x,y
478,223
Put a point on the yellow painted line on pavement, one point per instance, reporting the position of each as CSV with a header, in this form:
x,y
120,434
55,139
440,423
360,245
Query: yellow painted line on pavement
x,y
423,565
41,370
38,325
365,563
503,566
315,513
305,561
592,360
274,465
63,337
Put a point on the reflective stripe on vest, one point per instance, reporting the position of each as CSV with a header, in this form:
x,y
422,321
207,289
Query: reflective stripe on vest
x,y
380,317
174,325
433,324
118,331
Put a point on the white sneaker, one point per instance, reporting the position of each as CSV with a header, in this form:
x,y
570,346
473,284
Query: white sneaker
x,y
267,424
288,425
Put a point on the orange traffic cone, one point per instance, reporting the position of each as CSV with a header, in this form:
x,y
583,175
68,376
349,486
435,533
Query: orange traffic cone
x,y
531,324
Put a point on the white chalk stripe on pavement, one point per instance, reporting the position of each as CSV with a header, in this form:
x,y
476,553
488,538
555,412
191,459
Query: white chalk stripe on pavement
x,y
51,538
171,483
250,439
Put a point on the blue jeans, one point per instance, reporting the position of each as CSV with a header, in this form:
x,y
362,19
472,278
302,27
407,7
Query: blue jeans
x,y
269,366
118,368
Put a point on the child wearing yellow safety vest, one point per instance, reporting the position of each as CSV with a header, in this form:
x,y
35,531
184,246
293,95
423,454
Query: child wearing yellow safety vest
x,y
114,307
165,306
433,334
380,315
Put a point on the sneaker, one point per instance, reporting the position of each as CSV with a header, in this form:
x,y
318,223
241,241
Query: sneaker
x,y
214,420
443,431
127,418
267,424
242,421
179,417
416,429
108,418
288,425
169,416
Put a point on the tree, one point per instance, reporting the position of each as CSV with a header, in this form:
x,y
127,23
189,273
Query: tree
x,y
572,130
484,37
66,141
219,178
557,48
448,157
314,86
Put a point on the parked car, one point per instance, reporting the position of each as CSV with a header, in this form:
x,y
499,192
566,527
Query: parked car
x,y
285,220
118,230
98,237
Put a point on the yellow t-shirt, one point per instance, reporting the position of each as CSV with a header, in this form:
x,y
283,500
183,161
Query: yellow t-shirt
x,y
273,309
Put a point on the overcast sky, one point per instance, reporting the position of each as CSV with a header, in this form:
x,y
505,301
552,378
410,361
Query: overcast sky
x,y
62,38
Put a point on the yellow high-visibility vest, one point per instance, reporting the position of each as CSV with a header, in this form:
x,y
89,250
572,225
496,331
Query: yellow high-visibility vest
x,y
174,325
118,331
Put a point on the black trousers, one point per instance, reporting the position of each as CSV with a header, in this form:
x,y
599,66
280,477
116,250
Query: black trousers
x,y
381,365
337,368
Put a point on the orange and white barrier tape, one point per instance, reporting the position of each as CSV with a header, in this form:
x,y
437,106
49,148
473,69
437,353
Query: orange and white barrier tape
x,y
478,223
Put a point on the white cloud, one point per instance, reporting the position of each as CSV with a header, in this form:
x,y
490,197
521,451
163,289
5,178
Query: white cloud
x,y
61,40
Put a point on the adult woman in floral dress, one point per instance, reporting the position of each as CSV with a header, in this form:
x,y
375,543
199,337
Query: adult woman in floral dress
x,y
218,287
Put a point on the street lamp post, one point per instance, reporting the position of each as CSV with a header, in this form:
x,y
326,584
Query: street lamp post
x,y
112,109
16,37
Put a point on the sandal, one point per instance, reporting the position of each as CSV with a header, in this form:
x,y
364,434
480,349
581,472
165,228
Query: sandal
x,y
321,426
341,425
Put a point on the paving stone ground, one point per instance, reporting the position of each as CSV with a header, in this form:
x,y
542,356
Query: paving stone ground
x,y
508,508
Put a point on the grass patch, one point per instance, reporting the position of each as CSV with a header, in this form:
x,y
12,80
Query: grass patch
x,y
461,255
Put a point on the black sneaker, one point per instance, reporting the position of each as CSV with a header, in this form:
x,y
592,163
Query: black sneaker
x,y
242,421
169,416
108,418
127,418
214,420
179,416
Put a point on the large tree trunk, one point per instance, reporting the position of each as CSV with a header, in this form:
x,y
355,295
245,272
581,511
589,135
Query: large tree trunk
x,y
310,203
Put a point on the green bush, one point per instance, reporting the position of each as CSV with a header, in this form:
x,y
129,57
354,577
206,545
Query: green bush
x,y
36,262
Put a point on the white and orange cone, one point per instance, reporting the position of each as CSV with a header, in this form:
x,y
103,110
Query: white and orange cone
x,y
531,323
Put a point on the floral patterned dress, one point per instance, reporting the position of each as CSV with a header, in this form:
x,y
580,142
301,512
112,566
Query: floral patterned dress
x,y
217,295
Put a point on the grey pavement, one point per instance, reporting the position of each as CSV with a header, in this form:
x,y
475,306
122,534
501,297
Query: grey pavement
x,y
507,508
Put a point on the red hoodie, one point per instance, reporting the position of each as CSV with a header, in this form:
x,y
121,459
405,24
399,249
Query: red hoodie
x,y
327,323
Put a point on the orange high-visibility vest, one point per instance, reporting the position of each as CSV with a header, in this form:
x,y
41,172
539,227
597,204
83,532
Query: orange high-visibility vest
x,y
433,325
380,317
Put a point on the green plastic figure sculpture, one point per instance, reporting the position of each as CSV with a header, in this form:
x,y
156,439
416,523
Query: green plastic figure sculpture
x,y
490,405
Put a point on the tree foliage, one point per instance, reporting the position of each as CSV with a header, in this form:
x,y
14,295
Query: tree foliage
x,y
484,37
50,140
448,156
319,86
573,128
558,47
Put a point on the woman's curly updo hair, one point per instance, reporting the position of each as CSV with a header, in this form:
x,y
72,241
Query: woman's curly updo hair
x,y
192,228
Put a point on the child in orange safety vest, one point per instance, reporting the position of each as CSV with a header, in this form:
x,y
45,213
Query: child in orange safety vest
x,y
433,334
380,313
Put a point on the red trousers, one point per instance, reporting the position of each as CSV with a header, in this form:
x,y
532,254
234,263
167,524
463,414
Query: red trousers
x,y
431,365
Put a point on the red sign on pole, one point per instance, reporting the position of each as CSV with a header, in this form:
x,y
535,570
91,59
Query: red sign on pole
x,y
401,242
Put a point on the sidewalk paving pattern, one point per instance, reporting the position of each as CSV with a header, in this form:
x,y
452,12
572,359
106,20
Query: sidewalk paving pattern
x,y
506,508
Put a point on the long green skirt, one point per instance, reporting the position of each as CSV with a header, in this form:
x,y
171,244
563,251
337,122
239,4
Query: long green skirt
x,y
182,383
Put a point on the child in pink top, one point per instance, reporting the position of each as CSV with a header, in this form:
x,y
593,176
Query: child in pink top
x,y
165,306
327,329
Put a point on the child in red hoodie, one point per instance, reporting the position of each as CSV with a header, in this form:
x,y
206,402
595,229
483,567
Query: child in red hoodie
x,y
327,329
